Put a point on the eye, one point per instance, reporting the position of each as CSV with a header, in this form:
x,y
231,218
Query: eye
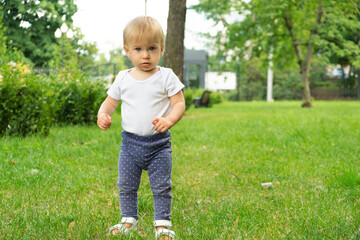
x,y
152,48
137,49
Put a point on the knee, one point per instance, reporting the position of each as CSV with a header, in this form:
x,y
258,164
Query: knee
x,y
127,186
163,188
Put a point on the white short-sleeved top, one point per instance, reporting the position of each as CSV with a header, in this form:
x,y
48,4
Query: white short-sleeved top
x,y
144,100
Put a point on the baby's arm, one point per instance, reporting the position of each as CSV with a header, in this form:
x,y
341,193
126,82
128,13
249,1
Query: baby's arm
x,y
107,109
178,108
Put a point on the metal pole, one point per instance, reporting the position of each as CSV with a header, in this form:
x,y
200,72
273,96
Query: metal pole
x,y
238,81
145,7
269,96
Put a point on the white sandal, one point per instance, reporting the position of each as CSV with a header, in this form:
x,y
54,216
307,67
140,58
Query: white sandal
x,y
125,230
165,231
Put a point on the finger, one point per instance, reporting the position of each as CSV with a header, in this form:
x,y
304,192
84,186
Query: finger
x,y
164,129
159,126
155,121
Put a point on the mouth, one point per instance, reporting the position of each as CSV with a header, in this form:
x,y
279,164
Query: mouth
x,y
146,64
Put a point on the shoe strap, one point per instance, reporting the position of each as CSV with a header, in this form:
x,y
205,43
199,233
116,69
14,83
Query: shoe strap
x,y
130,220
165,232
162,223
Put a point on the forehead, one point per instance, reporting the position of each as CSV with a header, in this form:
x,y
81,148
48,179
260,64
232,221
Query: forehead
x,y
144,43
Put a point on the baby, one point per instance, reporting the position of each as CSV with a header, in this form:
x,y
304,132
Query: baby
x,y
152,102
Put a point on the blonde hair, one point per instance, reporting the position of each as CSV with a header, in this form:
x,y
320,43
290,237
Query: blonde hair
x,y
143,27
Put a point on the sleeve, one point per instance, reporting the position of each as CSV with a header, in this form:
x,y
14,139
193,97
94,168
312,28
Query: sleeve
x,y
115,89
173,84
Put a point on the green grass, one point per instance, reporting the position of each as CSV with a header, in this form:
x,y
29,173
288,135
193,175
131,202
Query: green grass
x,y
64,186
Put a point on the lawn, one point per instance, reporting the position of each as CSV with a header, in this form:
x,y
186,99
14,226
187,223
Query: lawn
x,y
64,186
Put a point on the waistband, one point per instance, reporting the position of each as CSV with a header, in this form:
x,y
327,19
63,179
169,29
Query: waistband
x,y
153,137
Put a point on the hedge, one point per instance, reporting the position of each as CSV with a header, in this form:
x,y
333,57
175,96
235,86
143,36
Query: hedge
x,y
32,104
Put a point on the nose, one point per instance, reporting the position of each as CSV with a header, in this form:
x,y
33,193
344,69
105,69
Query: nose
x,y
146,54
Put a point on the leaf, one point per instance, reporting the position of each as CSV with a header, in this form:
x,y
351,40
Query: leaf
x,y
71,225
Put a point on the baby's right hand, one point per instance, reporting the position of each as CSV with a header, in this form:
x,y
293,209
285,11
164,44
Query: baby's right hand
x,y
104,121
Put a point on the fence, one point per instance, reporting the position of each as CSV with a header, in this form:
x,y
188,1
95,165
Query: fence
x,y
98,70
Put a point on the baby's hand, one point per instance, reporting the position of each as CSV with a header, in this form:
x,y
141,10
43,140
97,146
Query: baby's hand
x,y
162,124
104,121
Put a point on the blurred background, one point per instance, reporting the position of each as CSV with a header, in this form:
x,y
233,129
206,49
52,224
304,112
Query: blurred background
x,y
245,39
240,50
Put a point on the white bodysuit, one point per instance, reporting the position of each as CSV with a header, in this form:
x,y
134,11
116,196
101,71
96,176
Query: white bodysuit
x,y
144,100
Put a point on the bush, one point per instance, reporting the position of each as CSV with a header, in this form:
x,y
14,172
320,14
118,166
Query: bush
x,y
32,103
24,108
287,85
188,98
76,98
190,93
215,98
253,90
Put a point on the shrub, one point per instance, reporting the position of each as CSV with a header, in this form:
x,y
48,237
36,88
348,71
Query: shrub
x,y
190,93
24,108
76,98
188,98
32,103
287,85
215,98
253,90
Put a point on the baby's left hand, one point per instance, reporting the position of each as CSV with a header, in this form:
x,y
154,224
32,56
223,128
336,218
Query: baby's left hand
x,y
162,124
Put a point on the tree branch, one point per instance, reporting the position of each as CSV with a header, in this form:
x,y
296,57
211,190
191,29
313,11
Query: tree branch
x,y
295,42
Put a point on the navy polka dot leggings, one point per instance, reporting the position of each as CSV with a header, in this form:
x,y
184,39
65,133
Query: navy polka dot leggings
x,y
151,153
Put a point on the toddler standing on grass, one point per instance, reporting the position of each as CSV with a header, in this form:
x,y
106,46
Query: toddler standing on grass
x,y
152,102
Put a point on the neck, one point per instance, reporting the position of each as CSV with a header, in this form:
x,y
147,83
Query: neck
x,y
143,75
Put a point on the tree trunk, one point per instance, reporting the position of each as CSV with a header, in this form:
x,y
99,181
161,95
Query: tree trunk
x,y
174,45
304,64
309,50
305,76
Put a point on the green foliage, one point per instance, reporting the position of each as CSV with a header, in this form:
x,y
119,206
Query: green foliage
x,y
30,26
287,85
191,93
288,29
24,98
339,37
34,103
76,98
2,36
73,53
188,95
215,98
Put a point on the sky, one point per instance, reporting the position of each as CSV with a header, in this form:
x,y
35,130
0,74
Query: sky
x,y
103,21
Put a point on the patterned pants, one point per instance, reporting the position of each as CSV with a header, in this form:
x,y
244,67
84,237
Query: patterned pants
x,y
151,153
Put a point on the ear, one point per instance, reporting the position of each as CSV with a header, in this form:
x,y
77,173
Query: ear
x,y
126,48
162,49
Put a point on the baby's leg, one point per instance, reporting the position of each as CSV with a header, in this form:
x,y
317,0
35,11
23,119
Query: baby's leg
x,y
159,172
128,184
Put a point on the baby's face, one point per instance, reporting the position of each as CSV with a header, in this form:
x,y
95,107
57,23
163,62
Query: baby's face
x,y
144,55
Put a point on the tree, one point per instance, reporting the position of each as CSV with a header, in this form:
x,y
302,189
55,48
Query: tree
x,y
77,52
30,26
340,40
304,62
293,29
174,45
2,36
